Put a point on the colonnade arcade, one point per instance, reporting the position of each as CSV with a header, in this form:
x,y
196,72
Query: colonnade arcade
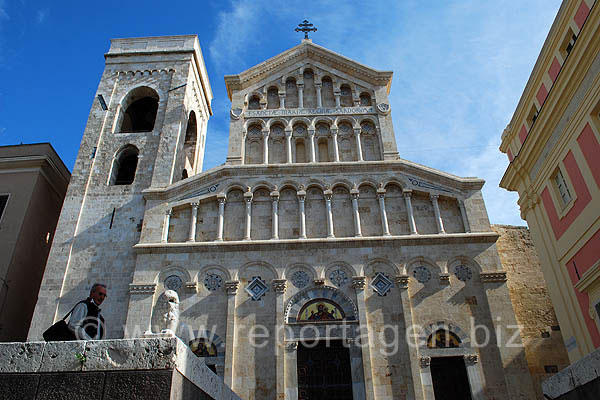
x,y
317,211
301,140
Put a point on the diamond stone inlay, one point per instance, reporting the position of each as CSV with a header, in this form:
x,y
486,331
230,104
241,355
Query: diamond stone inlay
x,y
300,279
257,288
213,281
422,274
381,284
338,277
463,272
173,282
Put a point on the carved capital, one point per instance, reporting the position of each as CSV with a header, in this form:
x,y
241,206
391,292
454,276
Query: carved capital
x,y
231,287
169,212
491,277
358,282
425,362
195,204
402,281
471,359
191,287
291,346
434,197
444,279
279,285
407,193
319,282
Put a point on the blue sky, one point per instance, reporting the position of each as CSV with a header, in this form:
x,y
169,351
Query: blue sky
x,y
460,67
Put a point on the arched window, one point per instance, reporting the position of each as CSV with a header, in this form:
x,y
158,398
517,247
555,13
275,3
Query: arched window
x,y
443,339
273,98
254,103
300,151
125,164
365,99
346,96
139,110
291,93
321,310
328,99
189,146
323,150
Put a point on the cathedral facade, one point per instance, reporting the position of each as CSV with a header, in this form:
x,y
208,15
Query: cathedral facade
x,y
314,262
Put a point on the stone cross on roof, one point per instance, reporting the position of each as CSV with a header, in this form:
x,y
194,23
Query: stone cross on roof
x,y
305,27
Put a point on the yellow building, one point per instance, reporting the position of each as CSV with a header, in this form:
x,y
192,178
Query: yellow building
x,y
553,146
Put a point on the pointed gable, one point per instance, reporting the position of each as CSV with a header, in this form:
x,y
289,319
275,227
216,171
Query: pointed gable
x,y
306,52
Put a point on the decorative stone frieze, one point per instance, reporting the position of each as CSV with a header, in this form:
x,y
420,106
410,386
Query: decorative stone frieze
x,y
148,288
232,287
358,282
491,277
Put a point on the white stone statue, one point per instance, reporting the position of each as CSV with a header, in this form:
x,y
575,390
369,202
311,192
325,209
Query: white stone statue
x,y
171,317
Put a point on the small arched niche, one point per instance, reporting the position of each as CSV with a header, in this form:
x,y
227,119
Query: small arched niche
x,y
124,166
139,110
254,103
189,146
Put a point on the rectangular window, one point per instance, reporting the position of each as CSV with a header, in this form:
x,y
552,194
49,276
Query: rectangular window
x,y
3,201
561,187
567,43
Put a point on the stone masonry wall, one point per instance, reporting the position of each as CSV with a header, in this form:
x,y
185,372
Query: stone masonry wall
x,y
544,346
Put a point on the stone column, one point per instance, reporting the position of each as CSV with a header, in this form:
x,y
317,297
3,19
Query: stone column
x,y
221,198
300,87
301,196
166,223
281,101
328,195
384,221
426,380
231,288
337,98
288,141
336,152
436,211
463,214
291,370
409,211
318,87
193,220
279,286
275,214
355,193
311,145
248,199
358,144
358,283
265,147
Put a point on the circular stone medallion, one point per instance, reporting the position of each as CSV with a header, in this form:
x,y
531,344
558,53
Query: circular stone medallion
x,y
338,277
463,272
422,274
213,281
173,282
300,279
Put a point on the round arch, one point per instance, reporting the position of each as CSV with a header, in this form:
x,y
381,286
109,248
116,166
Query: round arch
x,y
297,302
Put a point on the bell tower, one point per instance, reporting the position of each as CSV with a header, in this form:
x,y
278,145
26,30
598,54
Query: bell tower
x,y
146,129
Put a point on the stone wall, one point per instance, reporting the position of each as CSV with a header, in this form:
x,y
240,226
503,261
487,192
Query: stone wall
x,y
544,346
